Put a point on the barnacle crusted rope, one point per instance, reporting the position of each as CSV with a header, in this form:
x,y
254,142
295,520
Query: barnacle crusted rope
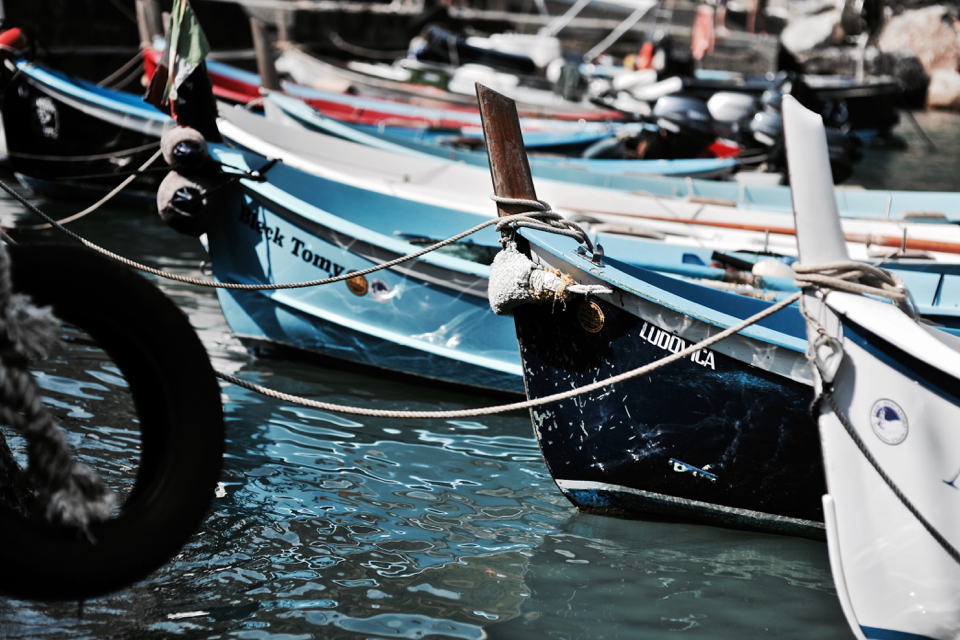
x,y
70,494
515,406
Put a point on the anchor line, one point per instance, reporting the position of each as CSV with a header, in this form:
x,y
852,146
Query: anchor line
x,y
515,406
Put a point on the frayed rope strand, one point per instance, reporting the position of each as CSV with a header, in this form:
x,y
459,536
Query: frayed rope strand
x,y
70,494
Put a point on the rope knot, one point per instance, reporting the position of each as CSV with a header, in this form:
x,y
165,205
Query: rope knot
x,y
541,217
857,277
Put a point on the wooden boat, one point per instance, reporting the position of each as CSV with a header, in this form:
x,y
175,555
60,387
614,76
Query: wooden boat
x,y
430,318
604,173
723,435
70,138
403,172
240,86
888,391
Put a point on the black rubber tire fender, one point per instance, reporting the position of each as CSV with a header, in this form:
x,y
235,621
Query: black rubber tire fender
x,y
177,399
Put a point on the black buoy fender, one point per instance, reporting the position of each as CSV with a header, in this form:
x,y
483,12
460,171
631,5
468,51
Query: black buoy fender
x,y
187,204
185,150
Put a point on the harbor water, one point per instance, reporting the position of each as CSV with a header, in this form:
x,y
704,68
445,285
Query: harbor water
x,y
327,526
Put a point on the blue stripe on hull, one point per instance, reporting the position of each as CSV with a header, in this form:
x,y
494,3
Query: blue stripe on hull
x,y
749,428
874,633
940,383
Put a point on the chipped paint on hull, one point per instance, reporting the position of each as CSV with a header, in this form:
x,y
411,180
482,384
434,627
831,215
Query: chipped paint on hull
x,y
749,427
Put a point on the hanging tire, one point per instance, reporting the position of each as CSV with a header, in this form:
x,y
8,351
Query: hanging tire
x,y
177,399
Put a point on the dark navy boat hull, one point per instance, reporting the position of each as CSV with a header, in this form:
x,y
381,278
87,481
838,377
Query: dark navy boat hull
x,y
72,138
707,438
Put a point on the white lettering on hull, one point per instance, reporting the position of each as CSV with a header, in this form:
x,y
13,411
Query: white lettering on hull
x,y
675,344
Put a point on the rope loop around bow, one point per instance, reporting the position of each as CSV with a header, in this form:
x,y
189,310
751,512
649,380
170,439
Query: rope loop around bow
x,y
857,277
541,217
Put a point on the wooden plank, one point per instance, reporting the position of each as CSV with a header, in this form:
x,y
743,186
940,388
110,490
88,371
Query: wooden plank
x,y
509,167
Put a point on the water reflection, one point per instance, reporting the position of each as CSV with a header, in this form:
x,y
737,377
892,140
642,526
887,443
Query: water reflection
x,y
328,526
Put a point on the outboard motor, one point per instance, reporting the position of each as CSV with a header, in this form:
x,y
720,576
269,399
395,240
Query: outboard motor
x,y
731,110
677,127
766,133
684,129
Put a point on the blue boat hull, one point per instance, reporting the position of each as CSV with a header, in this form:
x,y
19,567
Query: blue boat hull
x,y
424,318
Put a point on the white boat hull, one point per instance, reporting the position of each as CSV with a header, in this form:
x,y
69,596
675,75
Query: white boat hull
x,y
896,579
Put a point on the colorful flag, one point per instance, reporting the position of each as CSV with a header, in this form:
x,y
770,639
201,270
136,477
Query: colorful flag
x,y
187,47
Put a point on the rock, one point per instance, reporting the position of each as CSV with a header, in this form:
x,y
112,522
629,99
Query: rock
x,y
944,91
809,32
929,33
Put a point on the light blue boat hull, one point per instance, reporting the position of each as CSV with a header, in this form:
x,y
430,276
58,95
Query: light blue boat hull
x,y
851,203
430,319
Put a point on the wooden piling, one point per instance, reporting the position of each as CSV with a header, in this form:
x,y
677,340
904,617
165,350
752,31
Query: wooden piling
x,y
269,80
509,166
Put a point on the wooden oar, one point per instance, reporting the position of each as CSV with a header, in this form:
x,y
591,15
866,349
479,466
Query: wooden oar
x,y
915,244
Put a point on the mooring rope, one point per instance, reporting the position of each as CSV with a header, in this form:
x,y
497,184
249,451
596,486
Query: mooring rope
x,y
547,220
112,174
543,218
857,277
70,494
122,70
515,406
58,224
95,156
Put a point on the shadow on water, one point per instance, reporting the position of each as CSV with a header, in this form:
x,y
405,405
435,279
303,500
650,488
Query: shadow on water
x,y
918,167
326,526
